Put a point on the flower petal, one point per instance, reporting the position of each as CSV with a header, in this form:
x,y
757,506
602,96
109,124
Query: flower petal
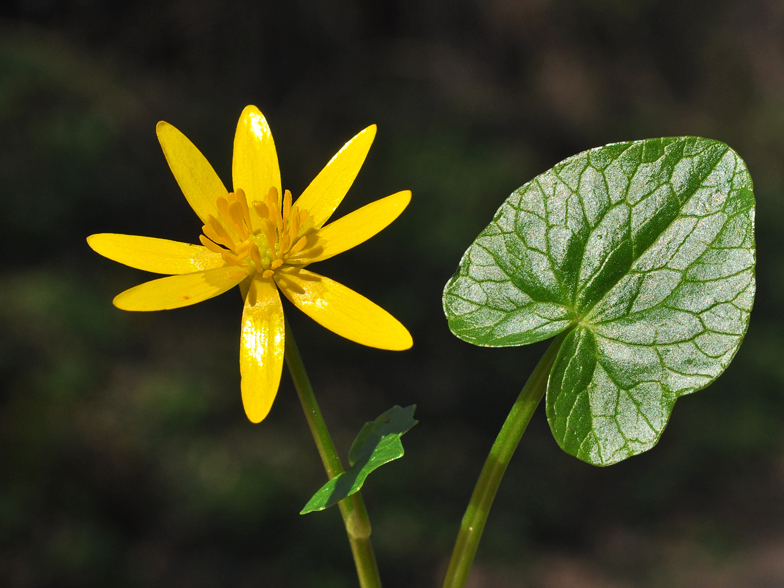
x,y
179,291
245,286
261,348
326,191
198,181
159,256
255,164
360,225
342,311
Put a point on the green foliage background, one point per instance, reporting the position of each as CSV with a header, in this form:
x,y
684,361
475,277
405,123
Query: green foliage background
x,y
125,456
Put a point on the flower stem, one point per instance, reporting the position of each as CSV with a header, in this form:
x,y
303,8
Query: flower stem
x,y
504,447
352,508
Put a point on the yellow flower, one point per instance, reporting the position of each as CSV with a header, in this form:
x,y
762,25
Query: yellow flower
x,y
255,239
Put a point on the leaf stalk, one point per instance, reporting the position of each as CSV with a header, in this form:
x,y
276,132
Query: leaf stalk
x,y
506,442
352,509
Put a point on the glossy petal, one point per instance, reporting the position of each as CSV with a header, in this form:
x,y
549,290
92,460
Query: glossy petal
x,y
198,181
159,256
245,286
255,165
178,291
261,348
360,225
327,190
342,310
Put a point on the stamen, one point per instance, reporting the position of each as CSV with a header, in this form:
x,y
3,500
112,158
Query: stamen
x,y
267,274
313,246
230,258
294,222
299,245
274,205
285,242
286,204
213,234
261,209
221,231
256,257
244,249
236,215
211,245
269,232
272,195
223,206
276,264
293,230
243,200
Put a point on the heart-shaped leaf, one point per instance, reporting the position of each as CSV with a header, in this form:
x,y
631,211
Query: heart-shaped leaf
x,y
376,444
645,252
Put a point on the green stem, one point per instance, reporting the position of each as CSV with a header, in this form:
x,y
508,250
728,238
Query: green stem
x,y
352,508
504,447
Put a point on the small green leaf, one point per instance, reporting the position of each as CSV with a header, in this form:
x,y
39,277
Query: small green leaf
x,y
376,444
644,251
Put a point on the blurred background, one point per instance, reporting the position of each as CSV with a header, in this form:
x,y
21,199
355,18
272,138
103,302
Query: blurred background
x,y
125,455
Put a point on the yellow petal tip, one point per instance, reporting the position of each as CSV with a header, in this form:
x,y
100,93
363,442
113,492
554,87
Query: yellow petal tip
x,y
404,342
257,405
255,417
250,109
118,302
371,130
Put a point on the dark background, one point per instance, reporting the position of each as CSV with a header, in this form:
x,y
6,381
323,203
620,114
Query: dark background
x,y
125,455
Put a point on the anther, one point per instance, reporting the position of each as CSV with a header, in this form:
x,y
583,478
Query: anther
x,y
236,215
269,232
267,274
276,264
272,194
213,234
243,250
221,231
256,258
299,245
211,245
293,230
286,204
230,258
294,222
243,200
223,207
261,209
273,204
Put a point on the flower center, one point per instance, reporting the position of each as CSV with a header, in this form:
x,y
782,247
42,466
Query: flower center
x,y
275,237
